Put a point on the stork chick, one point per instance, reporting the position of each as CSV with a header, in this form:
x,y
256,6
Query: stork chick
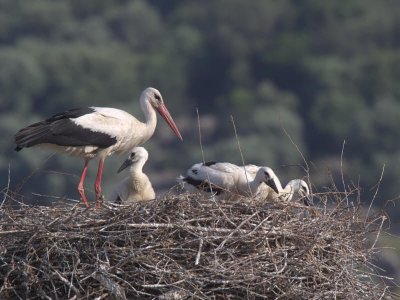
x,y
294,190
136,186
226,179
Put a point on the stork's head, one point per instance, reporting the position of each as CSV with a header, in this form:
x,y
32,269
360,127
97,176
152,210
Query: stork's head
x,y
268,176
153,96
138,155
300,186
195,171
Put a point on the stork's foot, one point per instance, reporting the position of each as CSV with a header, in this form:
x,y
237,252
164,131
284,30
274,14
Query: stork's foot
x,y
83,197
85,202
100,200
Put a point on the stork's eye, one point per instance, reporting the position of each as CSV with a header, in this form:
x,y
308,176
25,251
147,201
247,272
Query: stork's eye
x,y
157,97
132,155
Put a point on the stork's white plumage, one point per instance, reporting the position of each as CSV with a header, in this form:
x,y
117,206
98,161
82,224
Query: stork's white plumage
x,y
96,132
294,190
224,179
136,186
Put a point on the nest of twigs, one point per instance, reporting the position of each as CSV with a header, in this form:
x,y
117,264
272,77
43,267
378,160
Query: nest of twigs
x,y
187,246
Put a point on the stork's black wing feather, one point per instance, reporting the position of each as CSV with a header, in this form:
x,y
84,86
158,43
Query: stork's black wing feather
x,y
203,185
62,131
209,163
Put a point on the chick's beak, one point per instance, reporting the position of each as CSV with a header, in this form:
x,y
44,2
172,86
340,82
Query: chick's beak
x,y
308,200
125,164
271,183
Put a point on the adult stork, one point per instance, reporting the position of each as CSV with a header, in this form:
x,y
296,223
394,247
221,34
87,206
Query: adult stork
x,y
91,132
226,179
136,186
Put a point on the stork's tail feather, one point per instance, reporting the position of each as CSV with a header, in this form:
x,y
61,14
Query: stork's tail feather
x,y
31,135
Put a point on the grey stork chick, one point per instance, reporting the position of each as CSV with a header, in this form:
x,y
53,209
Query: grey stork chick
x,y
294,190
227,180
136,186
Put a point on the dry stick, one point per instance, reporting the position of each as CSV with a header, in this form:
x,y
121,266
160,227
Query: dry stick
x,y
383,294
379,232
199,127
202,154
307,169
56,197
302,156
68,283
176,293
114,288
341,172
158,285
268,233
13,232
75,265
43,295
201,147
376,191
297,148
235,230
8,187
33,172
199,253
241,155
72,214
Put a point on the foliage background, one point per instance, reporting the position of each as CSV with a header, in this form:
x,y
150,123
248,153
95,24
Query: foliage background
x,y
324,72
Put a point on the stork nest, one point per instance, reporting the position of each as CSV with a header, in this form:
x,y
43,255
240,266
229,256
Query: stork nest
x,y
187,246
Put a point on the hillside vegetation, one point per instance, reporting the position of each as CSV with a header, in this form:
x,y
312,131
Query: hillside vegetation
x,y
324,72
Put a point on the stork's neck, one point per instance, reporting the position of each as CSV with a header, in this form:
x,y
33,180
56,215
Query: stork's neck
x,y
292,188
288,191
278,183
136,168
150,117
255,183
246,185
260,177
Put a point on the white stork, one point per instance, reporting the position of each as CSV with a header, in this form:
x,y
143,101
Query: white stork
x,y
225,178
91,132
136,186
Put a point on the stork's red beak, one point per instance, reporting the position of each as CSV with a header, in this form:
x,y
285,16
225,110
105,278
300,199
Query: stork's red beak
x,y
162,109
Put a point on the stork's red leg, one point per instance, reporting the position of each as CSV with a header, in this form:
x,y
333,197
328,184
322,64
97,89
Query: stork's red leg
x,y
80,185
97,185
